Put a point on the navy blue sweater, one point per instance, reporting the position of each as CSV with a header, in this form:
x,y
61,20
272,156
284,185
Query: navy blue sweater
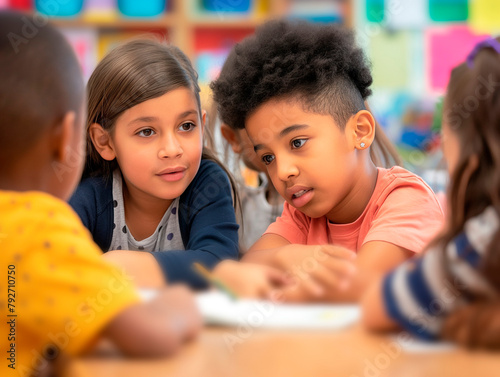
x,y
206,218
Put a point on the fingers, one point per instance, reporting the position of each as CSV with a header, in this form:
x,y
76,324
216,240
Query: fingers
x,y
312,286
318,269
333,280
335,266
276,277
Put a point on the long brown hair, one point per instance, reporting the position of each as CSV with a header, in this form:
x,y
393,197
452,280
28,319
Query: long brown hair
x,y
472,111
132,73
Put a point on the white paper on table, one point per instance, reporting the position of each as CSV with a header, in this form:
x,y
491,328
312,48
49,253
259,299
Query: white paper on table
x,y
219,309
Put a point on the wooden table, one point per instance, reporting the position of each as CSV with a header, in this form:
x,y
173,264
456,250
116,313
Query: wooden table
x,y
352,352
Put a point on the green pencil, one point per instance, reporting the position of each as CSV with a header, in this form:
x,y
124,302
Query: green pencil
x,y
202,270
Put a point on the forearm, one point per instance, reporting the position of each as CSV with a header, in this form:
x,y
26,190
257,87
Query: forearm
x,y
374,314
373,260
139,331
177,265
156,327
266,257
266,250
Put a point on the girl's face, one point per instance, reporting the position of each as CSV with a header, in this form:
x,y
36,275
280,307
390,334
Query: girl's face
x,y
310,160
158,145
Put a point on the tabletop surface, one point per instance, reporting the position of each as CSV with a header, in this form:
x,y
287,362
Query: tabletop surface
x,y
243,352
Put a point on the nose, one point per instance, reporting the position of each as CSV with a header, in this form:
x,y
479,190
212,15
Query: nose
x,y
286,168
170,147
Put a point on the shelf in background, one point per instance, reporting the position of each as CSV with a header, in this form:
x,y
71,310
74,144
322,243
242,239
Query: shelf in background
x,y
165,21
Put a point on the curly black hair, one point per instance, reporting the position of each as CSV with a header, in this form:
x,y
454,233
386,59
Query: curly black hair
x,y
318,64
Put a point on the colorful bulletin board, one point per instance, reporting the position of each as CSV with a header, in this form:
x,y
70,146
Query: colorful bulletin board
x,y
412,46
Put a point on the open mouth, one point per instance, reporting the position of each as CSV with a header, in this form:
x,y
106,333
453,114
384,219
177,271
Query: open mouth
x,y
300,193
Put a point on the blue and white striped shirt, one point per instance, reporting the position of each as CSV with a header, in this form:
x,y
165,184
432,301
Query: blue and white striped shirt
x,y
422,291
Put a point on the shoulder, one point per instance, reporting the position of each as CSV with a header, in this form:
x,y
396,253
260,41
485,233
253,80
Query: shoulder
x,y
45,213
211,181
210,170
398,176
92,192
36,203
397,184
95,185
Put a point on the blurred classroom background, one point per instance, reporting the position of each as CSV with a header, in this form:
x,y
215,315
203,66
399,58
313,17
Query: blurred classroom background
x,y
412,45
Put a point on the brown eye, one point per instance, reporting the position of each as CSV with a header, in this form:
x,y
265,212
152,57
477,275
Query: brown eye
x,y
187,126
297,143
267,159
147,132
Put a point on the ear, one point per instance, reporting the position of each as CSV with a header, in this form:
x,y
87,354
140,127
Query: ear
x,y
102,141
231,137
361,129
62,136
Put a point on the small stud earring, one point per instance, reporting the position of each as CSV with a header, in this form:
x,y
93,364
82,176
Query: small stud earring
x,y
362,145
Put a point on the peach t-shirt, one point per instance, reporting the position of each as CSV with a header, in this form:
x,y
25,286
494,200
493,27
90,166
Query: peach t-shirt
x,y
402,210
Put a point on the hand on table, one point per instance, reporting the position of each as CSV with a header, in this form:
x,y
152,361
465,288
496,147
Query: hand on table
x,y
250,280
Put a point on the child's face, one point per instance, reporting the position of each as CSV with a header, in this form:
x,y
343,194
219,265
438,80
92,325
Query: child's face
x,y
158,144
242,145
310,160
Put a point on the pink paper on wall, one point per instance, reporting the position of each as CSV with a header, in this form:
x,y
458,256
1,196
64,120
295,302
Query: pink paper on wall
x,y
447,47
84,43
99,5
95,10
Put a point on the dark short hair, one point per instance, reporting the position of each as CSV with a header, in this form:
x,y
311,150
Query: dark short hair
x,y
40,81
318,64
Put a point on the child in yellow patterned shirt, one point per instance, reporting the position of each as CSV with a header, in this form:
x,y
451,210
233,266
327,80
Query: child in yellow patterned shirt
x,y
60,296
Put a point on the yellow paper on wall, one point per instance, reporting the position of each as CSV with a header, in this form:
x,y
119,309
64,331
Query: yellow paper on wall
x,y
390,57
484,16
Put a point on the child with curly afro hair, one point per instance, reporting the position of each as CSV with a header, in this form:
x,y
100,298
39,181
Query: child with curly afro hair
x,y
299,91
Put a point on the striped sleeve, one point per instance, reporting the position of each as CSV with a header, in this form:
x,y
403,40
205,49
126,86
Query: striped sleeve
x,y
421,292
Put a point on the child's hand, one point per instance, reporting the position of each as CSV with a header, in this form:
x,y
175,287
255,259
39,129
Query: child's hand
x,y
157,327
177,306
249,279
315,269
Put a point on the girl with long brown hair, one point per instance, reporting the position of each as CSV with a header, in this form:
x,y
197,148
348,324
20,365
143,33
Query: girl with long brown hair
x,y
153,196
452,292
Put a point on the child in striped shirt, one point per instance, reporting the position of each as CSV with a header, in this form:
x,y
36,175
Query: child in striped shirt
x,y
452,292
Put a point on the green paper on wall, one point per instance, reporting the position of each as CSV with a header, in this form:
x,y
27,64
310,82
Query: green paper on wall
x,y
375,10
390,57
448,10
